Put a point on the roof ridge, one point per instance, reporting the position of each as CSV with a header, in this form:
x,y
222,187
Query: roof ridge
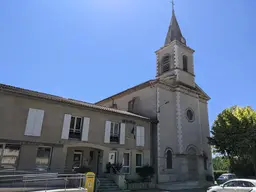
x,y
42,95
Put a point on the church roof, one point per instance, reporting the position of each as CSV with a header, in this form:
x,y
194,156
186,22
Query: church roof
x,y
174,32
148,83
26,92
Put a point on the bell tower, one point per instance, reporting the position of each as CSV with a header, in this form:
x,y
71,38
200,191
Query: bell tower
x,y
175,59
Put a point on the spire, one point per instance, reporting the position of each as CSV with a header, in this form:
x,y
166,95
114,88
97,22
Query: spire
x,y
174,32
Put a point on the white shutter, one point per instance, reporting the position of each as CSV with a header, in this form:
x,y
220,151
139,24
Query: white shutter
x,y
138,134
30,122
85,132
142,136
66,126
122,134
107,132
38,122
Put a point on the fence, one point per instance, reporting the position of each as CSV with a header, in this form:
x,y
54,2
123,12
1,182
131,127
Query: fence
x,y
24,181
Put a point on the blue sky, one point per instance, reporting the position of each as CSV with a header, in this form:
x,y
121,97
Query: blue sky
x,y
91,49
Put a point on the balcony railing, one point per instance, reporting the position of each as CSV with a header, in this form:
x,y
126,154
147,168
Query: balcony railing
x,y
114,138
75,134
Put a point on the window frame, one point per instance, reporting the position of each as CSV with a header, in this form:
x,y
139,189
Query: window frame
x,y
165,64
75,133
185,63
224,185
3,147
205,164
113,130
127,166
74,128
169,150
50,156
248,182
137,166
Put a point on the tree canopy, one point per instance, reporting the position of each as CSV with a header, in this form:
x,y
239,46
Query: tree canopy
x,y
234,134
220,163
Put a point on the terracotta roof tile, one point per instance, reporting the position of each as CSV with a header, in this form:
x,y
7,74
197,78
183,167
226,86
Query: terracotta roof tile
x,y
27,92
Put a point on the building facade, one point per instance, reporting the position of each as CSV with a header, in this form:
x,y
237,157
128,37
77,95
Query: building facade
x,y
163,123
179,140
44,132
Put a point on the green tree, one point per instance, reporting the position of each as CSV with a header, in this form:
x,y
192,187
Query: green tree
x,y
220,163
234,134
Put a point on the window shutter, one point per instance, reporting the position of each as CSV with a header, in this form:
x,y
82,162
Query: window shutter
x,y
107,132
66,126
85,132
142,136
38,122
138,136
122,134
30,122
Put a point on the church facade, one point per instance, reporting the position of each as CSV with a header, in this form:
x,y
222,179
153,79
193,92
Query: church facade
x,y
162,122
179,147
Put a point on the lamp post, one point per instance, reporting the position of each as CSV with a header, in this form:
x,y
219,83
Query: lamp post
x,y
158,110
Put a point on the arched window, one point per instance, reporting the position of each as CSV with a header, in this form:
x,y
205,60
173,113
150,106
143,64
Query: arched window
x,y
169,159
165,64
205,163
185,63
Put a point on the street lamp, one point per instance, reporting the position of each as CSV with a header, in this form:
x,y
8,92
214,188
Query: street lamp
x,y
158,111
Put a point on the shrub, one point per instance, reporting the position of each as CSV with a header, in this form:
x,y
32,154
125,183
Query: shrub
x,y
146,172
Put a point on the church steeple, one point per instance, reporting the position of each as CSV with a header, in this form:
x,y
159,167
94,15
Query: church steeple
x,y
174,32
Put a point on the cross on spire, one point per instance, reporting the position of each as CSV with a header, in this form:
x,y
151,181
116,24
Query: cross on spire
x,y
172,5
174,32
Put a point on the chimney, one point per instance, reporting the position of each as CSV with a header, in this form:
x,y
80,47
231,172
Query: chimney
x,y
114,106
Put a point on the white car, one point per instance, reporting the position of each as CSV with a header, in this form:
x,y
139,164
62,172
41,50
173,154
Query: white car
x,y
236,185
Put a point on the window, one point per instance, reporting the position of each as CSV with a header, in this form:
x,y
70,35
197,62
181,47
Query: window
x,y
169,159
43,158
185,63
231,184
9,154
245,184
165,63
190,115
126,163
139,160
205,163
114,132
75,130
130,105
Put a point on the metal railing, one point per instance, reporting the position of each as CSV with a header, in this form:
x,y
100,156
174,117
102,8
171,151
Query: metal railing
x,y
120,174
42,181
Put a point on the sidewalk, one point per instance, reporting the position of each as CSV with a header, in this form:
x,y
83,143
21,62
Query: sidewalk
x,y
185,190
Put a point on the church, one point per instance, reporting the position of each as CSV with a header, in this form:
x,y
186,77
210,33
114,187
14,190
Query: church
x,y
162,122
179,139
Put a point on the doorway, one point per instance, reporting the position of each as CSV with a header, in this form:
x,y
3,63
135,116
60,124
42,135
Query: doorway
x,y
77,159
192,164
112,157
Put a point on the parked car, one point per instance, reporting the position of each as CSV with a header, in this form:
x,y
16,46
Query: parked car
x,y
225,177
237,185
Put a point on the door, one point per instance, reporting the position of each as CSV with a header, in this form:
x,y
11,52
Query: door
x,y
112,157
77,159
126,163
